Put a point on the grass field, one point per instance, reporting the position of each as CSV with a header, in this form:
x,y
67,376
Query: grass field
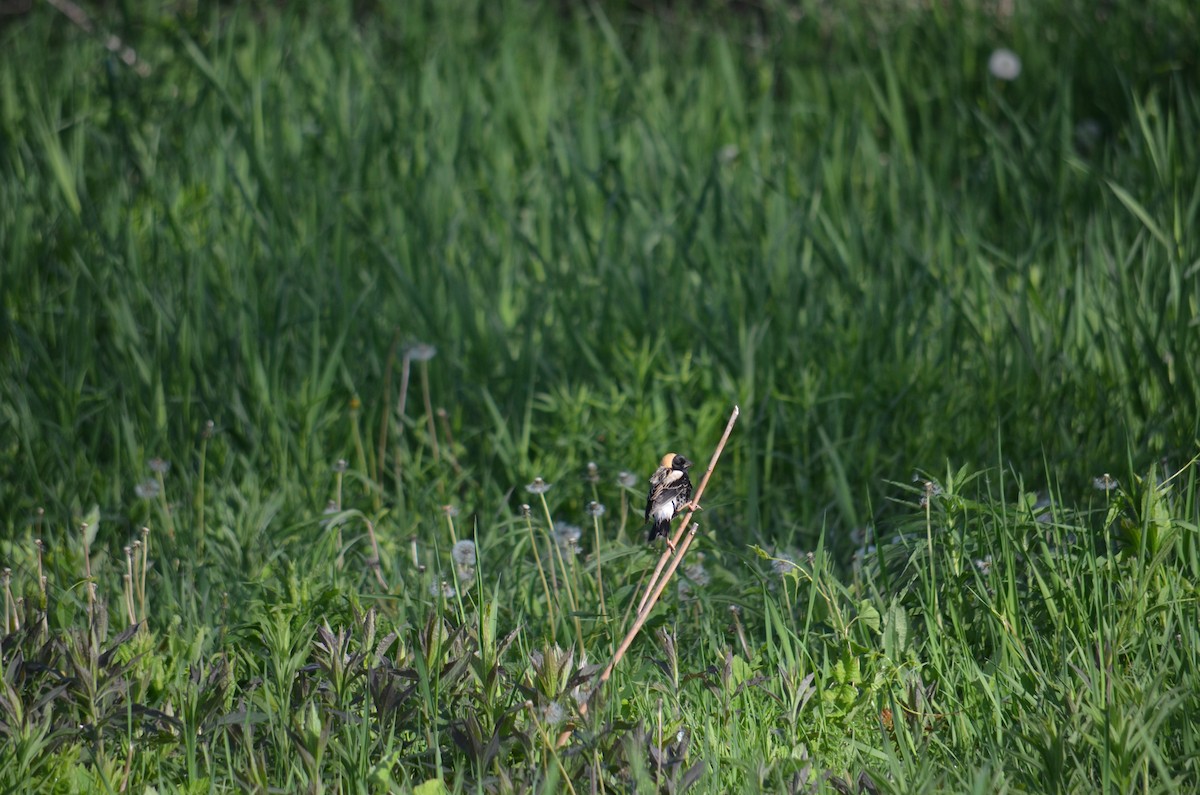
x,y
298,302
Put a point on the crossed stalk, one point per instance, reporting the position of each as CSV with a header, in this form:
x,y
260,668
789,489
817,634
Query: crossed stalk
x,y
672,556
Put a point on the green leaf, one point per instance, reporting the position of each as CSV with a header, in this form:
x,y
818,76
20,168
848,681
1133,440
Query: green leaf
x,y
742,671
92,520
433,786
895,634
869,615
1142,214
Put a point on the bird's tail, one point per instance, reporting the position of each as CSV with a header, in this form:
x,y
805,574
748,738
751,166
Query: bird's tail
x,y
661,527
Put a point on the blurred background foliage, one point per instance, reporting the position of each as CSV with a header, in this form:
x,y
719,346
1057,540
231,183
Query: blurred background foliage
x,y
835,217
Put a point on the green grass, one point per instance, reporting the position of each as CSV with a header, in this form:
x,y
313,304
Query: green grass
x,y
614,224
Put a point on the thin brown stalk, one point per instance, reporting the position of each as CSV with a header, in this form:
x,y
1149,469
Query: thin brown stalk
x,y
114,43
672,547
674,554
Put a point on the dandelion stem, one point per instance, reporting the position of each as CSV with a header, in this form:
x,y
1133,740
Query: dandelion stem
x,y
359,451
381,444
375,564
205,435
142,573
166,507
599,569
437,456
537,557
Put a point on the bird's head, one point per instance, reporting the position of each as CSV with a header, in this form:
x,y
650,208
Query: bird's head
x,y
674,461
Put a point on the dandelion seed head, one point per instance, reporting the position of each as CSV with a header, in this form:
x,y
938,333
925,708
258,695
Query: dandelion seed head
x,y
443,589
627,479
553,714
450,510
147,489
593,472
210,429
421,351
463,553
340,465
931,490
697,574
1004,64
1105,482
568,535
526,511
984,565
538,486
596,509
782,563
331,507
160,466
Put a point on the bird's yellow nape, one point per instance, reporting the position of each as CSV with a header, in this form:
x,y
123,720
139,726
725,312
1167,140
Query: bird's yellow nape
x,y
667,460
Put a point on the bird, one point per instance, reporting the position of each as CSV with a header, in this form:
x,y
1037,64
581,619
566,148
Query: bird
x,y
670,490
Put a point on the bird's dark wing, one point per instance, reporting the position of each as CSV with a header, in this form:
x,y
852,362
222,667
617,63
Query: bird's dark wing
x,y
678,489
673,486
655,487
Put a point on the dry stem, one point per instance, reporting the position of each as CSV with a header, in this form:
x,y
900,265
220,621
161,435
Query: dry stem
x,y
673,554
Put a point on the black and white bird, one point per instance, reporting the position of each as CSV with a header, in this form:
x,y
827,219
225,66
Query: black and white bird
x,y
670,491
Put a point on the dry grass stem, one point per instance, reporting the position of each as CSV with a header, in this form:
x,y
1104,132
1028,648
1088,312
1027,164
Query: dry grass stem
x,y
672,548
673,555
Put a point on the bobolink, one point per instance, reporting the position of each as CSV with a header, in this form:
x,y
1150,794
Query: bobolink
x,y
670,490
